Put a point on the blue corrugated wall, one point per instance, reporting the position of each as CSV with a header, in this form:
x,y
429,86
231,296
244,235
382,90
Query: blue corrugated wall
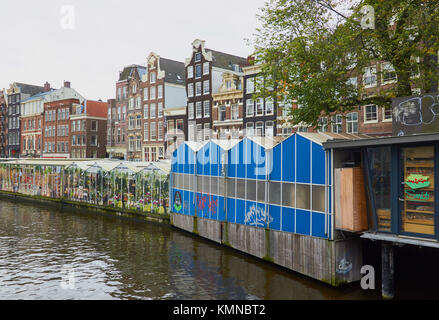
x,y
286,188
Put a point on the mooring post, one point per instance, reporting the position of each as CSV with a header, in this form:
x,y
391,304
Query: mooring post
x,y
387,271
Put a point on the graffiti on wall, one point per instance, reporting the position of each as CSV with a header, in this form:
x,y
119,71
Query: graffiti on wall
x,y
206,201
177,201
257,216
415,115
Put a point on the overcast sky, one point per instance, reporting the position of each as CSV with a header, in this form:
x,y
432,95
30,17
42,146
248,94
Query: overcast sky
x,y
88,42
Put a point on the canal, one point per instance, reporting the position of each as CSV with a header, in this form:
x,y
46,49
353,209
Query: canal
x,y
48,253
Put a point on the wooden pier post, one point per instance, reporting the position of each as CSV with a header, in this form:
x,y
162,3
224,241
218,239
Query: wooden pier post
x,y
387,271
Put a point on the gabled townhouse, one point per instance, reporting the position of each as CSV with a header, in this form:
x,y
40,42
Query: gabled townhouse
x,y
175,128
163,88
88,123
117,127
16,93
204,71
227,112
134,113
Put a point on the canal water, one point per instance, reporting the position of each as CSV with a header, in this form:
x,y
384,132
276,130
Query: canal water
x,y
48,253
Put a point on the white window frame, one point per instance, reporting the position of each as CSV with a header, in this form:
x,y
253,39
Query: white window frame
x,y
350,122
388,65
373,72
206,87
190,112
383,110
198,89
190,90
206,108
206,68
190,72
365,113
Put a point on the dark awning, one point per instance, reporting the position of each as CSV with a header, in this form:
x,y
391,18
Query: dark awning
x,y
383,141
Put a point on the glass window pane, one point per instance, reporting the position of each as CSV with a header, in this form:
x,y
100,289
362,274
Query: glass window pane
x,y
318,198
251,190
379,166
303,196
261,191
214,185
206,184
274,193
240,188
200,183
288,196
231,188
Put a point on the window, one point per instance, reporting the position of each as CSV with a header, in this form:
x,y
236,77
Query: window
x,y
369,77
199,131
269,106
352,122
131,123
371,113
207,109
138,143
131,104
152,93
180,124
190,90
206,131
146,111
250,82
171,127
259,107
134,89
269,128
197,71
153,132
138,121
190,72
323,125
191,132
160,130
387,114
336,124
94,125
198,88
160,92
222,111
250,107
139,102
259,128
191,110
198,56
235,111
93,140
388,71
199,110
287,131
131,143
153,111
206,68
160,109
124,112
152,77
119,93
206,87
145,131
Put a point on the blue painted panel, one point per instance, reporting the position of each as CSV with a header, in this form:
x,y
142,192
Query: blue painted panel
x,y
288,159
252,156
260,162
232,155
186,202
318,225
303,222
202,205
274,217
213,207
275,169
221,207
231,204
288,215
240,211
303,159
191,204
318,164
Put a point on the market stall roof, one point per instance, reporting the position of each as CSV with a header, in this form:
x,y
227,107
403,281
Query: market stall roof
x,y
322,137
381,141
226,144
267,142
195,145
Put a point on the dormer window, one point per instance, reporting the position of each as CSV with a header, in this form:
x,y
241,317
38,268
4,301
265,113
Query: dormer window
x,y
228,84
134,88
236,67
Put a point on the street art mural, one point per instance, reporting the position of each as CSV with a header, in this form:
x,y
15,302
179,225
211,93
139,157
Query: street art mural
x,y
413,115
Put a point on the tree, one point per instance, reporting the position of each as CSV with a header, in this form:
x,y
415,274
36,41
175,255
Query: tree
x,y
310,50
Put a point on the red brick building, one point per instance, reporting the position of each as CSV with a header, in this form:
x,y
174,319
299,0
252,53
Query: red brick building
x,y
56,128
163,88
88,123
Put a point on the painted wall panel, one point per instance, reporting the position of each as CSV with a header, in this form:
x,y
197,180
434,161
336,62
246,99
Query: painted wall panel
x,y
288,159
231,205
318,164
303,159
318,225
288,218
303,222
274,217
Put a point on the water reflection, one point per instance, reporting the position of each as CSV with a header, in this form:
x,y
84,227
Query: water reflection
x,y
42,249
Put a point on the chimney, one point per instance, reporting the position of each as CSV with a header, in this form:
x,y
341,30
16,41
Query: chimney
x,y
67,84
47,87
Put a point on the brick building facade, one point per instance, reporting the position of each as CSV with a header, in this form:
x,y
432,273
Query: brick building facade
x,y
3,125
